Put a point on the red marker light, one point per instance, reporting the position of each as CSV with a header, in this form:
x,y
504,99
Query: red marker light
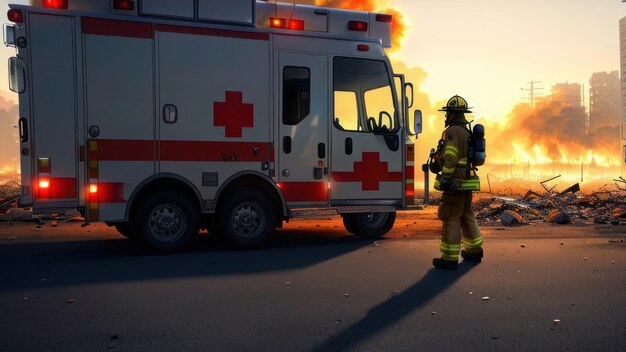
x,y
296,25
276,22
363,47
383,18
44,184
15,16
55,4
93,189
358,26
124,5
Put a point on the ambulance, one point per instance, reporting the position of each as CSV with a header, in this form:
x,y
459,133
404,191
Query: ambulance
x,y
165,117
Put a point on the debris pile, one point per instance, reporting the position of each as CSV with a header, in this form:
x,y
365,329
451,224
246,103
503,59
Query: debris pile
x,y
607,206
9,193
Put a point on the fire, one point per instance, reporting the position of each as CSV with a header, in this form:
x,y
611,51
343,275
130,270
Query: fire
x,y
398,23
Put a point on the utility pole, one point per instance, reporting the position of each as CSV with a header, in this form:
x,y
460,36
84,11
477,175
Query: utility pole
x,y
532,92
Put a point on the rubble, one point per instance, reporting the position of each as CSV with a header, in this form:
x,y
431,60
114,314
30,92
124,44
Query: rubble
x,y
510,218
570,206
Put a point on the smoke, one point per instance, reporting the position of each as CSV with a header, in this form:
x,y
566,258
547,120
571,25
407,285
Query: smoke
x,y
9,143
553,133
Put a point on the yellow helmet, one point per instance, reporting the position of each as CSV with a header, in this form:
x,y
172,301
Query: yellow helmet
x,y
456,103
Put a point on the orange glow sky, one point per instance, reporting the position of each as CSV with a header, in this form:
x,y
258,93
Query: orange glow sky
x,y
485,50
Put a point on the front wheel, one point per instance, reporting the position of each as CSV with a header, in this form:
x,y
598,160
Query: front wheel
x,y
247,219
370,225
166,221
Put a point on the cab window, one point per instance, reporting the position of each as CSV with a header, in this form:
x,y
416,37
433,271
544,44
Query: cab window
x,y
363,96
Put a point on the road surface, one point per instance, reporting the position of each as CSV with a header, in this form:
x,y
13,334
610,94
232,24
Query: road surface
x,y
315,288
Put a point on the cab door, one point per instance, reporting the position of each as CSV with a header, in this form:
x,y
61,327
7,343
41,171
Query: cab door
x,y
367,158
302,102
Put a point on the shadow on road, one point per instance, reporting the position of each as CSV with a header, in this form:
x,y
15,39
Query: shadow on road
x,y
395,309
72,263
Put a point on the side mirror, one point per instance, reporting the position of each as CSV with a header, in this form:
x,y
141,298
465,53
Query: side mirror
x,y
417,121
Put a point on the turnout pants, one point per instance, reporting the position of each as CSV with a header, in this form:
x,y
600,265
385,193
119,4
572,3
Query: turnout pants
x,y
455,210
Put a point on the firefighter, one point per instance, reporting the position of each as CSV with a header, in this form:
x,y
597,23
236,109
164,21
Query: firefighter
x,y
457,183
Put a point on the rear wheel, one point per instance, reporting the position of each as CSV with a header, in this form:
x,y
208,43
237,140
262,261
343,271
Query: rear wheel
x,y
166,221
246,218
370,225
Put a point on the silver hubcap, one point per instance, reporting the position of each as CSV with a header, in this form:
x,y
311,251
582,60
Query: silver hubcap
x,y
167,223
375,220
248,220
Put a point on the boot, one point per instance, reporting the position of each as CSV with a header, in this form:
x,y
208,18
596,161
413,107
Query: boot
x,y
440,263
472,257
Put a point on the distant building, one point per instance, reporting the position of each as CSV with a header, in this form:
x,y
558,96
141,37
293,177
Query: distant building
x,y
604,100
568,94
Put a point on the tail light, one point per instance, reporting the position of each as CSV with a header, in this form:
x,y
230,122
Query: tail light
x,y
93,188
124,5
15,16
358,26
44,184
55,4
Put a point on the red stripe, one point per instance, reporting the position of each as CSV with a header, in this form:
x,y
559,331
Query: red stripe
x,y
304,191
124,150
214,151
111,192
59,188
99,26
410,172
213,32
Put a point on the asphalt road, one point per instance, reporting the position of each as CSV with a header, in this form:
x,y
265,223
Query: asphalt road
x,y
314,288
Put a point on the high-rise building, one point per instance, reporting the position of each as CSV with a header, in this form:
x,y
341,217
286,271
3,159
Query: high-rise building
x,y
604,100
568,94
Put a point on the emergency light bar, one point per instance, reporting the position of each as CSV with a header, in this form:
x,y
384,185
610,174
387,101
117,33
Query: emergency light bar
x,y
55,4
124,5
15,16
283,23
359,26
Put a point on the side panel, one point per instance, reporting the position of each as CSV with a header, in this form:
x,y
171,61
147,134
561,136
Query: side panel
x,y
213,107
54,112
119,70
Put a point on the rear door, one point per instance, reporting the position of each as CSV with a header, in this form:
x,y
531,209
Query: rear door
x,y
303,128
54,112
367,158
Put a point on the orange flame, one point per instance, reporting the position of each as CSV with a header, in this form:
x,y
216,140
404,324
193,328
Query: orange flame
x,y
398,24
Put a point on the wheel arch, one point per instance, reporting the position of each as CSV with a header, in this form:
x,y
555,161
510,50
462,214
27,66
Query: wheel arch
x,y
161,181
253,180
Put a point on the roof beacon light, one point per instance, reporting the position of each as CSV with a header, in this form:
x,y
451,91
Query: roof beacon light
x,y
124,5
15,16
55,4
383,18
296,25
358,26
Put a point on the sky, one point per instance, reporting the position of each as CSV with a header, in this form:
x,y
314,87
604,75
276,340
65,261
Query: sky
x,y
486,50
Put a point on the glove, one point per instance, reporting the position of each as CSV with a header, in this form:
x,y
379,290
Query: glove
x,y
446,185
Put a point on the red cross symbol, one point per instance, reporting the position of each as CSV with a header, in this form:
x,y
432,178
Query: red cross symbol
x,y
233,114
370,171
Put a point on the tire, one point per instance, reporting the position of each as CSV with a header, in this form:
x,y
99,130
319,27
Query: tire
x,y
166,221
369,225
246,219
124,229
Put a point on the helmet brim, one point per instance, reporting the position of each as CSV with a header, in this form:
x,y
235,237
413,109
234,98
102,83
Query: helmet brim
x,y
446,109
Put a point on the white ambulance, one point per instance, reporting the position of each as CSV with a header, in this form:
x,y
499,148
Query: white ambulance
x,y
164,117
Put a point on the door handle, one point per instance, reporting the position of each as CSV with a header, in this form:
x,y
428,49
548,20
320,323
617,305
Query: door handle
x,y
23,127
287,144
348,146
321,150
170,114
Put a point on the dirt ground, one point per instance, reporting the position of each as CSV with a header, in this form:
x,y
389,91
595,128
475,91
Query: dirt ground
x,y
414,224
